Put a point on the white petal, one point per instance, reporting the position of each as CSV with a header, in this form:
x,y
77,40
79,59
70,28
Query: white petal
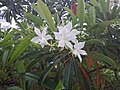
x,y
71,37
35,39
57,36
81,44
80,58
69,26
44,41
47,37
61,43
37,31
44,31
75,52
119,73
63,32
76,46
68,44
60,28
74,40
75,32
82,52
42,45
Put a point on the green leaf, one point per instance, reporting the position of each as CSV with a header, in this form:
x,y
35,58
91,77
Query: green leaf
x,y
37,21
78,75
19,49
59,86
94,41
113,12
87,20
104,24
68,76
49,83
14,88
34,57
8,36
72,14
20,66
45,73
81,11
31,77
95,3
4,58
49,68
44,12
2,74
104,59
104,5
92,15
23,25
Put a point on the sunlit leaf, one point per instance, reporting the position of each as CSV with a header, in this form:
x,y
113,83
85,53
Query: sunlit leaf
x,y
36,20
81,11
20,66
44,12
59,86
19,49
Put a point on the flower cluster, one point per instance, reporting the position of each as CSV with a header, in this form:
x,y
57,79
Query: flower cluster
x,y
66,37
42,38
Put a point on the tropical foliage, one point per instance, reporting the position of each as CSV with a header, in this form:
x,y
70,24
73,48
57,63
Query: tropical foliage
x,y
73,47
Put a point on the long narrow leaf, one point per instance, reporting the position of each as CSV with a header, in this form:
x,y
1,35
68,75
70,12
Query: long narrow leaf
x,y
19,49
36,20
81,10
104,59
48,69
44,12
68,76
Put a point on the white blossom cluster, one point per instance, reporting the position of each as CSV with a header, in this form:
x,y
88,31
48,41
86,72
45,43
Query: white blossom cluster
x,y
66,38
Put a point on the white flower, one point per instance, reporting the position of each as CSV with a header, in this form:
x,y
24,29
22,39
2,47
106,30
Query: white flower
x,y
77,50
42,38
65,35
119,73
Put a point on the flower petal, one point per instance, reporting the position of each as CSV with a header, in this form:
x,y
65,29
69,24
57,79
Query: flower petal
x,y
36,39
42,45
81,44
74,40
43,42
82,52
75,52
63,32
57,36
47,37
75,32
80,58
37,31
69,26
61,43
68,44
71,37
44,31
